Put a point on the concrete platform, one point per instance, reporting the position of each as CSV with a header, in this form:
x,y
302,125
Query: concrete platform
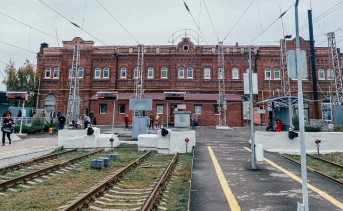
x,y
267,188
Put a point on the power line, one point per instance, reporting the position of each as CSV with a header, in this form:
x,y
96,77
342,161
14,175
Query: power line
x,y
282,14
16,47
118,22
71,22
28,25
209,16
194,21
239,19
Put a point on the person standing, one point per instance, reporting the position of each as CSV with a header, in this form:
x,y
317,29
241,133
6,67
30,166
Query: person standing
x,y
85,120
7,129
151,120
157,123
278,126
194,120
19,116
91,116
126,121
61,122
59,114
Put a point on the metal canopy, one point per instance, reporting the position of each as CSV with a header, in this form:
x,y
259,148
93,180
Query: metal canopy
x,y
282,101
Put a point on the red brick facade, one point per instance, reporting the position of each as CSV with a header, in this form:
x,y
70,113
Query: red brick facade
x,y
171,57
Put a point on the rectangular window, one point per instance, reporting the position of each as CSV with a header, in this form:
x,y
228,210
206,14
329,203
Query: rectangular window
x,y
136,72
159,109
321,75
164,73
121,108
150,73
216,109
56,72
207,72
181,73
235,75
106,73
97,72
197,109
47,73
189,73
103,108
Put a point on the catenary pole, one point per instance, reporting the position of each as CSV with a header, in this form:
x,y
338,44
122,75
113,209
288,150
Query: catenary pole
x,y
252,135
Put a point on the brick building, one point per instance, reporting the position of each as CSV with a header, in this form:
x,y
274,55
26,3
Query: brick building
x,y
182,67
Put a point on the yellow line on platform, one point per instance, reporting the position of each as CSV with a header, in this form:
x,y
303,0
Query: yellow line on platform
x,y
225,186
311,187
20,150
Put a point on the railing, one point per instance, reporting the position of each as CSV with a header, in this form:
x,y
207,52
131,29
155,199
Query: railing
x,y
26,120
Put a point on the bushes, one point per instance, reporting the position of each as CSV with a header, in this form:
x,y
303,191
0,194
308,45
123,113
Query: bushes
x,y
49,124
295,121
338,129
37,121
312,129
28,129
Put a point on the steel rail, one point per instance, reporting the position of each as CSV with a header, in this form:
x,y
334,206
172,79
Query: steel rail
x,y
85,199
324,160
33,175
32,161
315,171
160,185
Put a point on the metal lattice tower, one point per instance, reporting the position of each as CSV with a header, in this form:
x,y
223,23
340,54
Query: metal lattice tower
x,y
74,86
336,82
221,86
285,85
139,92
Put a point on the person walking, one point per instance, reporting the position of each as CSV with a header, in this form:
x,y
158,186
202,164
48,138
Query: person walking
x,y
194,120
126,121
85,120
61,122
151,120
7,129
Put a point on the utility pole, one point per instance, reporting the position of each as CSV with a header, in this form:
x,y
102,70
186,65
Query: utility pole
x,y
285,85
221,87
139,92
252,135
74,86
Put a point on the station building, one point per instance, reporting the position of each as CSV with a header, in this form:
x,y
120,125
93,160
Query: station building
x,y
185,67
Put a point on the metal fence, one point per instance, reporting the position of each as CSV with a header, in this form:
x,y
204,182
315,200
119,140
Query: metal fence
x,y
26,120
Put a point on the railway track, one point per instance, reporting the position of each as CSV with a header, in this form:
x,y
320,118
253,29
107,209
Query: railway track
x,y
23,175
134,187
319,172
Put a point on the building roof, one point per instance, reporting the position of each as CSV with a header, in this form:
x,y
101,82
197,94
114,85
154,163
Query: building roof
x,y
189,97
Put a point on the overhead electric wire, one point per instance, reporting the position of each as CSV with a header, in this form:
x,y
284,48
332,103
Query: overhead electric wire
x,y
282,14
71,22
238,20
28,25
118,23
209,16
16,47
194,21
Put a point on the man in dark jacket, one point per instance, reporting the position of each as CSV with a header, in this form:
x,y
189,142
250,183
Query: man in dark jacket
x,y
6,129
61,122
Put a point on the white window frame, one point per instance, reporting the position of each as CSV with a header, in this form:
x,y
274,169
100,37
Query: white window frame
x,y
106,69
277,70
71,73
221,73
158,108
235,73
56,70
135,72
81,70
48,72
330,74
198,109
123,70
321,71
102,107
164,70
181,70
207,73
97,72
150,72
189,72
267,70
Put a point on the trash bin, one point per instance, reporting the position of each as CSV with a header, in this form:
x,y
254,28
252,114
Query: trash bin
x,y
51,130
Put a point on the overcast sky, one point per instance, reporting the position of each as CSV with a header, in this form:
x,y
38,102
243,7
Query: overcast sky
x,y
152,22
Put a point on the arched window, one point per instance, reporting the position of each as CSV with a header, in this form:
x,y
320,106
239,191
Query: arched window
x,y
97,72
326,110
106,73
56,72
150,72
276,73
49,105
235,73
123,72
164,72
330,74
267,74
47,72
207,73
321,74
181,72
189,72
81,71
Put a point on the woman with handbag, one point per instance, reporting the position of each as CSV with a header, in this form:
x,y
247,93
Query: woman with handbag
x,y
7,129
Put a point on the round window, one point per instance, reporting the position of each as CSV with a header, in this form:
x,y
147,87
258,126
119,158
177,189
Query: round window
x,y
185,48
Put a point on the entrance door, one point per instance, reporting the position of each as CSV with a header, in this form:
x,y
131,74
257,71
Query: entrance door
x,y
171,113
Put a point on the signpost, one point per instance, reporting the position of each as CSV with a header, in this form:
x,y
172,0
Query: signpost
x,y
13,96
109,96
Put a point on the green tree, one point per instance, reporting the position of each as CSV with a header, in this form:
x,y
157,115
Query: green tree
x,y
25,79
